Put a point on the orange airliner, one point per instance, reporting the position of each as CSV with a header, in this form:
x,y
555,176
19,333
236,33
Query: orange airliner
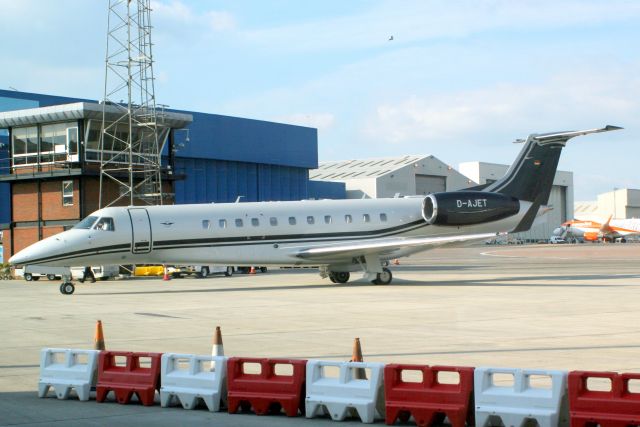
x,y
593,231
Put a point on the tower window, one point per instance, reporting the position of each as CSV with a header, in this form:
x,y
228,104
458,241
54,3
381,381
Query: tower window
x,y
67,193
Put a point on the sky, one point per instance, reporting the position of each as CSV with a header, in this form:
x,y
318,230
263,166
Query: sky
x,y
459,80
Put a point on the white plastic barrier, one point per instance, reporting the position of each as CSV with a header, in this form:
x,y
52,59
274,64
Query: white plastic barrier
x,y
64,369
344,392
189,377
515,402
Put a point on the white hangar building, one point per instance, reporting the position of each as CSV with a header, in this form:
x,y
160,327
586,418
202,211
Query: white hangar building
x,y
421,175
387,177
560,199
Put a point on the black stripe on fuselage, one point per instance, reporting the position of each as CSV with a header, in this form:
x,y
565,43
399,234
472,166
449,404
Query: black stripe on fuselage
x,y
112,249
287,238
236,241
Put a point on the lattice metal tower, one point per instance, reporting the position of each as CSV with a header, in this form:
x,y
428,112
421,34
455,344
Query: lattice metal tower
x,y
130,147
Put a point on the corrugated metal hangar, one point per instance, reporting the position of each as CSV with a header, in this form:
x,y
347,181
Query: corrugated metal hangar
x,y
620,203
390,176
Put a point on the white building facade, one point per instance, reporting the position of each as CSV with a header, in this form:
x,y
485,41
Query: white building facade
x,y
560,199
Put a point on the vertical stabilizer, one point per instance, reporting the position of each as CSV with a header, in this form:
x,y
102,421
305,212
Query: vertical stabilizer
x,y
531,176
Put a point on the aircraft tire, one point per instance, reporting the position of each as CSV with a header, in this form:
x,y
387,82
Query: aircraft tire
x,y
383,278
333,279
67,288
340,276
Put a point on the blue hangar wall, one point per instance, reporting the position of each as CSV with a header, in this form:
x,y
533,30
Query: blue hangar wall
x,y
224,157
227,157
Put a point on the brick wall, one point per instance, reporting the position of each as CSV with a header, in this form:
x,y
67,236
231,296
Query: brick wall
x,y
24,201
23,237
52,206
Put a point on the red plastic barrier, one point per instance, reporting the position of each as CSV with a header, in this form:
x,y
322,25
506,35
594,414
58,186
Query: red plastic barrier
x,y
128,379
429,401
266,392
613,408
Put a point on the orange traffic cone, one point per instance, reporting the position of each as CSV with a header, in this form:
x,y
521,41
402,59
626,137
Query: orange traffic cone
x,y
166,273
218,348
252,270
98,339
356,356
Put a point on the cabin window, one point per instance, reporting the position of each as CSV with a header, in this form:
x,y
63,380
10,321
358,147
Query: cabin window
x,y
206,224
327,219
311,220
67,193
383,217
222,223
239,222
292,220
255,222
348,219
105,224
273,221
366,218
86,223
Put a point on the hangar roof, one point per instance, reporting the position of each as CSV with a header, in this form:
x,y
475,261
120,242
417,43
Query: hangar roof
x,y
362,168
81,110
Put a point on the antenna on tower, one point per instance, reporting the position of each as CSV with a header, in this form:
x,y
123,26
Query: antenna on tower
x,y
132,136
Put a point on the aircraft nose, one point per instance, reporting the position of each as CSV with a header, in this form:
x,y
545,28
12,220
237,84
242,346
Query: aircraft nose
x,y
38,251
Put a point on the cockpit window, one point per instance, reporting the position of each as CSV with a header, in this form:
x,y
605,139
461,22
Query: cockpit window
x,y
86,223
105,224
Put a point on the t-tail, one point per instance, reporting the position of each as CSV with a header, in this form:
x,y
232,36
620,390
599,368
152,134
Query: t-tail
x,y
531,175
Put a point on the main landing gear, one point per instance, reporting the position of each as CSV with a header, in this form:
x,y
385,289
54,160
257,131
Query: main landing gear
x,y
339,276
382,278
66,287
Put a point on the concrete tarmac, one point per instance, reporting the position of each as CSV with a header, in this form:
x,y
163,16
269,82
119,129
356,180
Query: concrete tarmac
x,y
539,306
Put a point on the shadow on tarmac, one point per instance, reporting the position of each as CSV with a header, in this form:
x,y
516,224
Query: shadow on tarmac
x,y
498,282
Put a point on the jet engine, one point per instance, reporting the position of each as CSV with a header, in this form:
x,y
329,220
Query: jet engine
x,y
467,207
591,236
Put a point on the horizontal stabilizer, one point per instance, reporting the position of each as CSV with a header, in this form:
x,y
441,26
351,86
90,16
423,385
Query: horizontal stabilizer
x,y
565,136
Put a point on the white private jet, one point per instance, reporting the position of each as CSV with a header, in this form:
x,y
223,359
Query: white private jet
x,y
340,236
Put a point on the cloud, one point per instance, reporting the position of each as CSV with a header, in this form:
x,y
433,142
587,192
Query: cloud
x,y
178,15
577,98
221,21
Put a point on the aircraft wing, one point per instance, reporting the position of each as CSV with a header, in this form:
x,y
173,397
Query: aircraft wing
x,y
384,247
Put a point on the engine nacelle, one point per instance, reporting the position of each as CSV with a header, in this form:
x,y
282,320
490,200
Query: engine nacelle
x,y
591,236
467,207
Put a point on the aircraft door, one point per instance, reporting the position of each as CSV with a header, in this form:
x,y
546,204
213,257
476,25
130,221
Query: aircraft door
x,y
140,231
